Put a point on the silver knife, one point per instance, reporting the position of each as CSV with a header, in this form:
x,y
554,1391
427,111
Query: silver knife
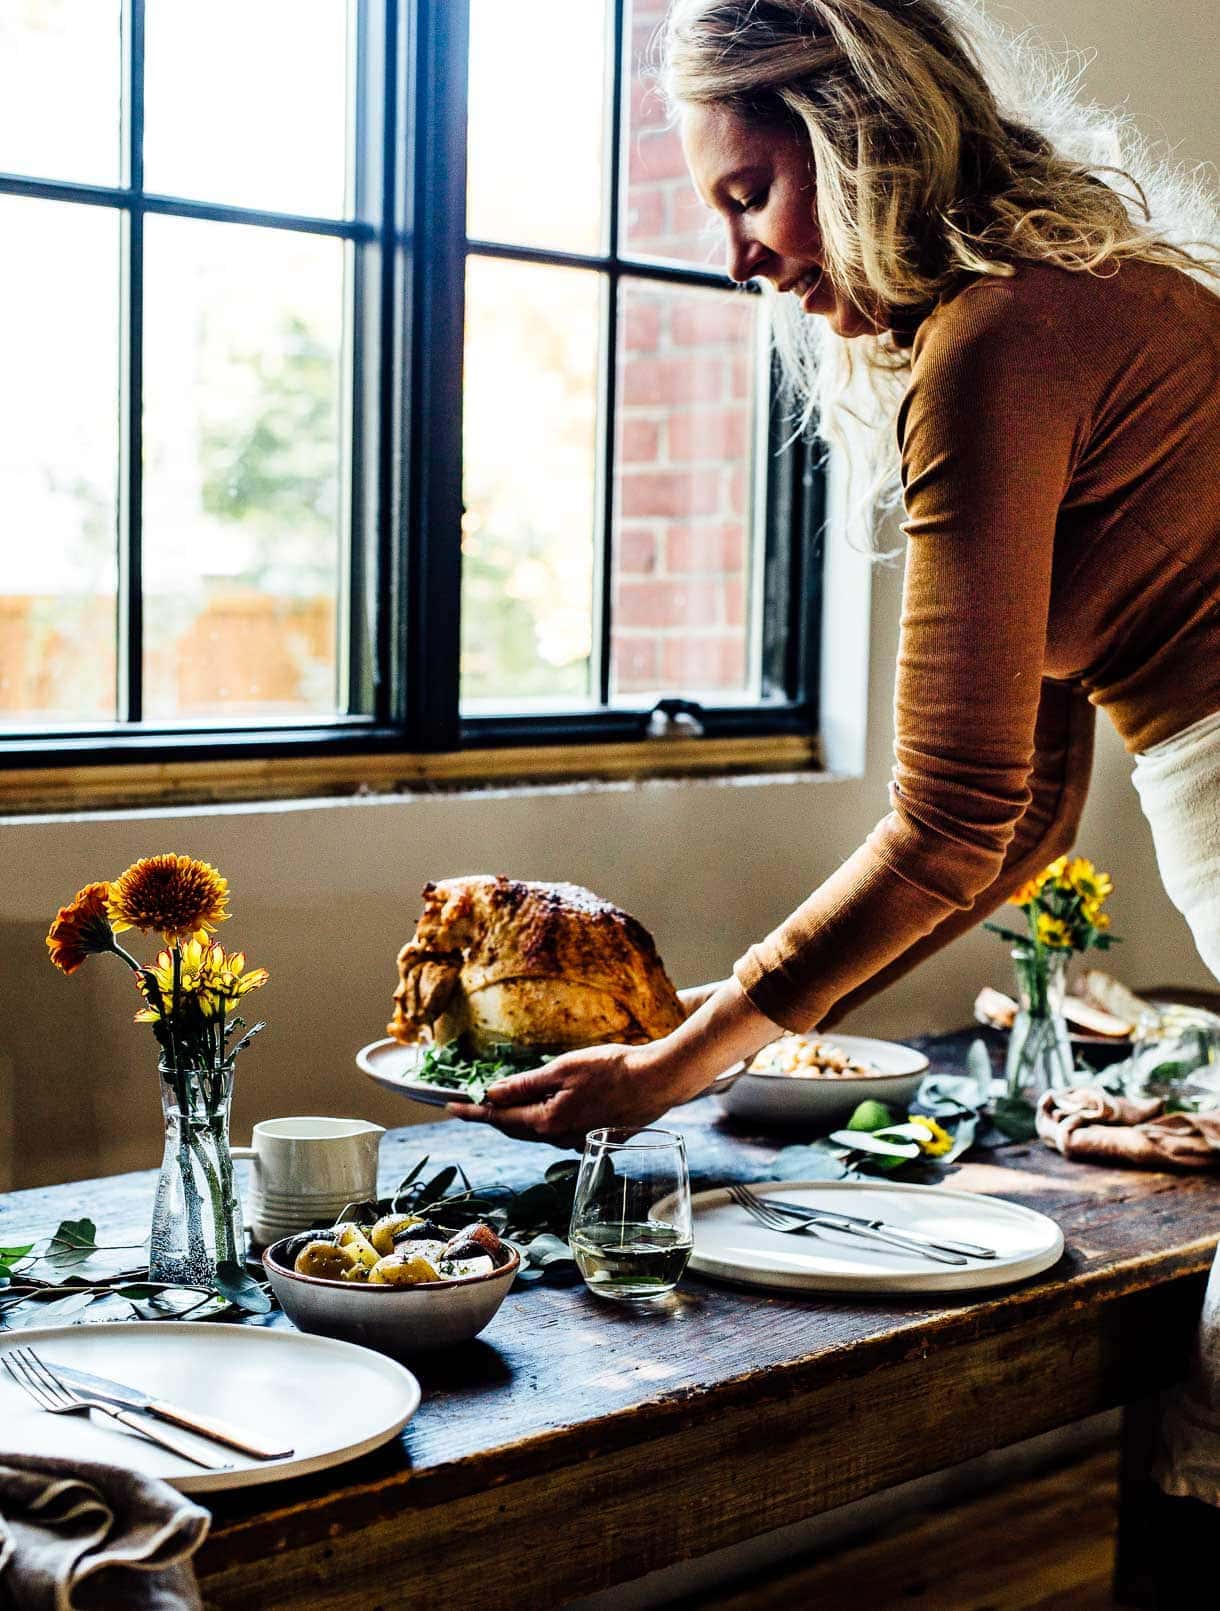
x,y
131,1398
879,1226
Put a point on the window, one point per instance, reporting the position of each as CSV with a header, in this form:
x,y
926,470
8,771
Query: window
x,y
370,390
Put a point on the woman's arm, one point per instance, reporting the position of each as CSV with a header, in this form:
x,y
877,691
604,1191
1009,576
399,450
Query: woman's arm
x,y
629,1086
1063,762
990,428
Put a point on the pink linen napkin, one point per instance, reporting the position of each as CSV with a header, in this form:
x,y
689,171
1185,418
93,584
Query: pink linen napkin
x,y
1087,1123
77,1536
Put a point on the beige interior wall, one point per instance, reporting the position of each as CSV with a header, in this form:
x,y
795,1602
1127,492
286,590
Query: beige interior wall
x,y
323,894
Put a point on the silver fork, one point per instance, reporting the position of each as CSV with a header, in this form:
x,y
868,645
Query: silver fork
x,y
775,1221
50,1394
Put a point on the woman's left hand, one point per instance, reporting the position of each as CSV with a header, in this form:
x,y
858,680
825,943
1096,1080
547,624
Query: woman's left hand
x,y
565,1099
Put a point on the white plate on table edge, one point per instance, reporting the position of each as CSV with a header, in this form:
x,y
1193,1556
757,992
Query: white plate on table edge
x,y
143,1354
884,1269
390,1063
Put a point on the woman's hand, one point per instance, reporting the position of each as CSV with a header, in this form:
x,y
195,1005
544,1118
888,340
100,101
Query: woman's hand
x,y
625,1086
574,1094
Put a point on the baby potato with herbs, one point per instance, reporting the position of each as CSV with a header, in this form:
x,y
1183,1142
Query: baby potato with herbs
x,y
387,1227
403,1270
400,1250
327,1261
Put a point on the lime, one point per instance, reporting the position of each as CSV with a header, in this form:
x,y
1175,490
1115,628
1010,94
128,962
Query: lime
x,y
871,1115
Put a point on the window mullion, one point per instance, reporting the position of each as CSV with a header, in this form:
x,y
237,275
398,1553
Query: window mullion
x,y
431,620
603,604
130,623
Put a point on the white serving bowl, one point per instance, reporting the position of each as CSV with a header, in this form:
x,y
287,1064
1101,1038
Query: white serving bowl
x,y
393,1320
774,1098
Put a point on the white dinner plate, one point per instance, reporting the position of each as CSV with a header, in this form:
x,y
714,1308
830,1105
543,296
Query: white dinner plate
x,y
393,1066
328,1401
731,1245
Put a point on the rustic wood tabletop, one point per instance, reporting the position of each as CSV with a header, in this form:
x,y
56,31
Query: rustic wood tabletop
x,y
578,1443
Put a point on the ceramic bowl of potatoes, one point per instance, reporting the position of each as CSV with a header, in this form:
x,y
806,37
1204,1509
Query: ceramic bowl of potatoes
x,y
401,1284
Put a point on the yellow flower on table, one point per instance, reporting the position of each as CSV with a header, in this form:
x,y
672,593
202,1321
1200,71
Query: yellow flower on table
x,y
175,896
938,1140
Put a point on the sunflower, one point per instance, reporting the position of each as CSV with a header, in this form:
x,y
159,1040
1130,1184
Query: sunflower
x,y
1028,892
81,928
1053,932
174,895
1087,881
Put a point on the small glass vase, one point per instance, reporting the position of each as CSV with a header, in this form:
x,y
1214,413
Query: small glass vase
x,y
197,1217
1039,1052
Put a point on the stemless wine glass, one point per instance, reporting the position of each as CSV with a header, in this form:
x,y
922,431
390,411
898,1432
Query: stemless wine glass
x,y
1175,1054
631,1229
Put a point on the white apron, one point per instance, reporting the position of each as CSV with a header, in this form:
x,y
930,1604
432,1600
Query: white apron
x,y
1179,788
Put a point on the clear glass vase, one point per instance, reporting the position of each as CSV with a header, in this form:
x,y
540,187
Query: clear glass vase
x,y
1039,1052
197,1218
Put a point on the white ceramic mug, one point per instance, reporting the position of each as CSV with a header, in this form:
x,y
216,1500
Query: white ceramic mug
x,y
306,1170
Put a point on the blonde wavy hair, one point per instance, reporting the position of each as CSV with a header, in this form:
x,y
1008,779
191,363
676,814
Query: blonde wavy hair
x,y
943,148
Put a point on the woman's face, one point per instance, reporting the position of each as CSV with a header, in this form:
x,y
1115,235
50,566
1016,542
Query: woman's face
x,y
757,178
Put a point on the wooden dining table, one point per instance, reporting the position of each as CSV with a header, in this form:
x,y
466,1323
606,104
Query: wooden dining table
x,y
580,1443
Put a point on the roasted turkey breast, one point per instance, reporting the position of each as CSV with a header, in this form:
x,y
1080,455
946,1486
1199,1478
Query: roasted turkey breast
x,y
549,966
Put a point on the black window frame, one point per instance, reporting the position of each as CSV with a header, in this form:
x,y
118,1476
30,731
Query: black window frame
x,y
408,248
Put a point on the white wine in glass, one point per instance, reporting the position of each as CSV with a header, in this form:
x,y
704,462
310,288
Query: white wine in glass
x,y
631,1220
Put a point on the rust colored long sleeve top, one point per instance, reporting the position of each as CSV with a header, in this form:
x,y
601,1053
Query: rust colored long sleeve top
x,y
1060,443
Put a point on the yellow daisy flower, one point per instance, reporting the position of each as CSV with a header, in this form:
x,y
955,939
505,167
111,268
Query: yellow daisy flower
x,y
224,980
938,1141
215,977
173,895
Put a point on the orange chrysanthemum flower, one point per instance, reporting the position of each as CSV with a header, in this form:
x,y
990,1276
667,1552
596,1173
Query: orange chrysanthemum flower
x,y
174,895
81,928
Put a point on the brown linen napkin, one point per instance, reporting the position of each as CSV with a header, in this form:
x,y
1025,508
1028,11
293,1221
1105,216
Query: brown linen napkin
x,y
1087,1123
77,1536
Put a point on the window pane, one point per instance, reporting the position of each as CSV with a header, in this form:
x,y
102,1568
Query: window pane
x,y
242,483
536,122
662,215
686,488
59,89
530,484
58,461
248,104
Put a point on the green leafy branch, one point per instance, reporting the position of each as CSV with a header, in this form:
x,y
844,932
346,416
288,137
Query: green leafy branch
x,y
27,1298
533,1220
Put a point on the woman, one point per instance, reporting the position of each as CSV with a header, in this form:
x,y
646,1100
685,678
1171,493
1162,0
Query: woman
x,y
1052,366
1050,363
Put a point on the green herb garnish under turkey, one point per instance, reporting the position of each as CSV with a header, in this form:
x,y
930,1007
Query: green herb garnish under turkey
x,y
458,1069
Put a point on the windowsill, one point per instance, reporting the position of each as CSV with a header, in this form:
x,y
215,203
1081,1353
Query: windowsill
x,y
55,791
